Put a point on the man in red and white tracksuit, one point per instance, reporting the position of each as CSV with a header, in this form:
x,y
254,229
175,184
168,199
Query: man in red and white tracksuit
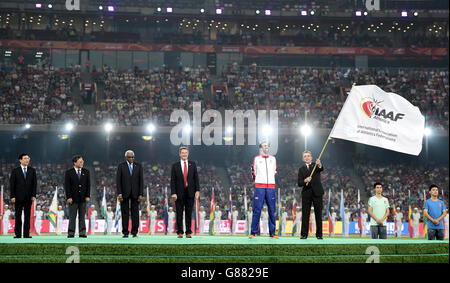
x,y
264,168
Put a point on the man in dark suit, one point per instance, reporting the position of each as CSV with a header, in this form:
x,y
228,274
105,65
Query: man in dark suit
x,y
184,186
23,184
77,184
130,189
311,193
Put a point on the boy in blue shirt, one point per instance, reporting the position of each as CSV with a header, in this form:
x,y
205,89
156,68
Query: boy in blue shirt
x,y
435,211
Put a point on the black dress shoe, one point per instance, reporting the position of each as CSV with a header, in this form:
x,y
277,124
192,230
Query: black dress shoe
x,y
17,237
135,236
180,236
303,237
28,237
125,236
70,236
188,236
83,236
319,238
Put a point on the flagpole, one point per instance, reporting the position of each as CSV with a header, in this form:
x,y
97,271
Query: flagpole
x,y
315,165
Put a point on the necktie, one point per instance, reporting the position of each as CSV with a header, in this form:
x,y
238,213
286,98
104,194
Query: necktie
x,y
131,169
185,174
25,172
78,173
307,166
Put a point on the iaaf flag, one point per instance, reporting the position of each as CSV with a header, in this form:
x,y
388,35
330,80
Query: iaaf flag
x,y
53,210
377,118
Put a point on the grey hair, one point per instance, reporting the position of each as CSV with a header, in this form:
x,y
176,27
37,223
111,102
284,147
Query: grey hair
x,y
128,151
306,151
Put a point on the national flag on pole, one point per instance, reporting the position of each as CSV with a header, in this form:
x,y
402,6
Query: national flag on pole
x,y
166,211
116,217
425,219
410,219
280,214
394,212
342,212
246,212
377,118
230,213
53,210
212,209
197,215
2,211
104,211
330,223
148,213
89,216
32,220
359,216
294,215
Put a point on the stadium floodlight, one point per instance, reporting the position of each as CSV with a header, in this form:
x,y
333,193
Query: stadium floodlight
x,y
38,5
169,10
358,13
111,8
187,129
427,132
312,12
404,14
365,13
151,128
108,127
267,130
416,14
50,6
100,8
257,12
306,130
304,13
27,126
229,130
268,12
158,9
219,11
69,126
202,10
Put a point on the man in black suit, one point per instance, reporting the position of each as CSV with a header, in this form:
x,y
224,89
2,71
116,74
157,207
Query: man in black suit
x,y
311,193
23,184
77,184
130,187
184,186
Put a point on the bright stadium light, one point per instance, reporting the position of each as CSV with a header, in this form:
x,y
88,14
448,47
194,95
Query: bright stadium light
x,y
257,12
358,13
151,128
202,10
50,6
304,13
38,5
365,13
219,11
108,127
100,8
158,9
169,10
427,132
312,12
27,126
306,130
229,130
111,9
268,12
69,127
416,14
187,129
267,130
404,14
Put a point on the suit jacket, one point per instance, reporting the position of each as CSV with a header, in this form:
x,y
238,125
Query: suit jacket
x,y
23,189
177,180
315,186
77,190
130,185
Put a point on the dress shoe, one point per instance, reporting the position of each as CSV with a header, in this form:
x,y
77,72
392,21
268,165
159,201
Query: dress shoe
x,y
303,237
83,236
135,236
125,236
17,237
180,236
28,237
188,236
70,236
319,238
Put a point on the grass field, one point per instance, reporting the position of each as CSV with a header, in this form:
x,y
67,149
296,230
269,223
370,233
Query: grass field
x,y
219,249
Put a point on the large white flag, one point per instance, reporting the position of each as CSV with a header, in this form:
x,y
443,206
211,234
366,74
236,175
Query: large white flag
x,y
374,117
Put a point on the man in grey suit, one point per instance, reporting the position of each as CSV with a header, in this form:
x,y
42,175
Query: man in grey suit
x,y
78,189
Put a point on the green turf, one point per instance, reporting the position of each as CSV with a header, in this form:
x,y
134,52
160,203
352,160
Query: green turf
x,y
205,249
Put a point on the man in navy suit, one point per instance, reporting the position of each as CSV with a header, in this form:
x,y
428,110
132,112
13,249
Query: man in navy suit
x,y
77,184
130,189
23,184
184,185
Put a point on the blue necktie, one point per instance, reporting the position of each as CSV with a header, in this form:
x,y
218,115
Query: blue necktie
x,y
131,169
78,173
25,172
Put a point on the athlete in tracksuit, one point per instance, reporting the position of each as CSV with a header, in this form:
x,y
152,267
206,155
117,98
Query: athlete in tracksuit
x,y
264,168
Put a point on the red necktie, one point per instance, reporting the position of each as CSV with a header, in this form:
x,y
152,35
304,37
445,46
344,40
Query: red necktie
x,y
185,174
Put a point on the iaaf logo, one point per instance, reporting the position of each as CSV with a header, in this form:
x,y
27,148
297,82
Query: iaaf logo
x,y
372,109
